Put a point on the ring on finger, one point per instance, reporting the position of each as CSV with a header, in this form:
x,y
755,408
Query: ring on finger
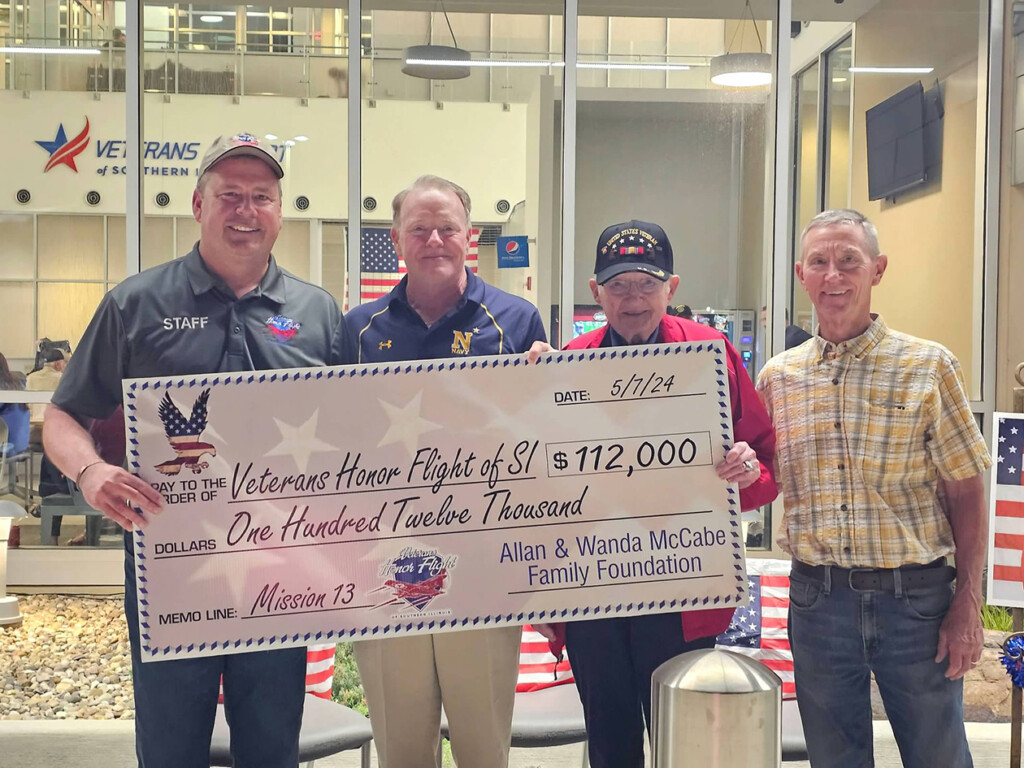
x,y
750,466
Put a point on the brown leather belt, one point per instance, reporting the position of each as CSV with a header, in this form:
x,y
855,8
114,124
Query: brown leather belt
x,y
880,579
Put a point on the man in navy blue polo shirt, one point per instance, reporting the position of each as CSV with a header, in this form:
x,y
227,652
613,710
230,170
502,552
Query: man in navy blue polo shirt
x,y
440,309
220,308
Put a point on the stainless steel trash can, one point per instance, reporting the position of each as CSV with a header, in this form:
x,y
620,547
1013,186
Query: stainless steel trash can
x,y
716,709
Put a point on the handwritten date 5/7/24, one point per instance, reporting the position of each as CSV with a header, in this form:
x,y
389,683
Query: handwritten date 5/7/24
x,y
638,386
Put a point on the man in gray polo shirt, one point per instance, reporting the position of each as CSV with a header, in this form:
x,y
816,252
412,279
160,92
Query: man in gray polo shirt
x,y
225,306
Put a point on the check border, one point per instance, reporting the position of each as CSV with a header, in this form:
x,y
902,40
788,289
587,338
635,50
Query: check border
x,y
386,630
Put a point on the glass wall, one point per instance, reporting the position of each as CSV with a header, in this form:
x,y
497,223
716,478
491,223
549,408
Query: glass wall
x,y
930,229
654,138
417,121
658,140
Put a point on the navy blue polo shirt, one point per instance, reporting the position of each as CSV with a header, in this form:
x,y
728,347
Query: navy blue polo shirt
x,y
179,318
485,321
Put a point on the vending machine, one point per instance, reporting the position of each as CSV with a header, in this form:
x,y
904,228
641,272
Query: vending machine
x,y
739,326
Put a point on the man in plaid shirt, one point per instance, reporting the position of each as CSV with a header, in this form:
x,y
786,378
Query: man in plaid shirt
x,y
880,463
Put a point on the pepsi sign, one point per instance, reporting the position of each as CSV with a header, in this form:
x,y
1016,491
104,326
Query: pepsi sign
x,y
513,252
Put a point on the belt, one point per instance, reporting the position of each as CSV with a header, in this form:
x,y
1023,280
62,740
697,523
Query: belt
x,y
880,579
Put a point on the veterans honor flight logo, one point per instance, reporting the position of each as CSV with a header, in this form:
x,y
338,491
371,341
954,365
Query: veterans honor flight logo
x,y
282,329
416,577
64,152
184,435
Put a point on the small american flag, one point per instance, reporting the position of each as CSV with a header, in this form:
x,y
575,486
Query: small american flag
x,y
381,267
320,670
1008,529
538,667
759,629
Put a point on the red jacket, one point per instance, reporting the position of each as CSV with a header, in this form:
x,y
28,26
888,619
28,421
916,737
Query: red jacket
x,y
750,424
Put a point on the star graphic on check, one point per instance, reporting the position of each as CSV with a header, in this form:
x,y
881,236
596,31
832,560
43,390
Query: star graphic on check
x,y
406,425
300,442
234,576
237,575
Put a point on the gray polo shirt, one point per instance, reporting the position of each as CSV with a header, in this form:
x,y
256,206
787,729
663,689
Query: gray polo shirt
x,y
179,318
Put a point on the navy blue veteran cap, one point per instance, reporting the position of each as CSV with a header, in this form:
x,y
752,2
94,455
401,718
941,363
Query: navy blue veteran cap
x,y
635,246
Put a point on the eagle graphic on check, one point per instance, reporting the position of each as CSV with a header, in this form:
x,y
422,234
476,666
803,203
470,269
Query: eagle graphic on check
x,y
184,435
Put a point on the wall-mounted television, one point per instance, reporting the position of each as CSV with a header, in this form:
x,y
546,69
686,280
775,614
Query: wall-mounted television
x,y
904,140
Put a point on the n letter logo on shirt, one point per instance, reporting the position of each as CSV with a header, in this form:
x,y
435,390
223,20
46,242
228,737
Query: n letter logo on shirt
x,y
460,345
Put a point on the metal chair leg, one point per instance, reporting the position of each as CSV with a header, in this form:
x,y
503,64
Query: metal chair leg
x,y
364,755
586,754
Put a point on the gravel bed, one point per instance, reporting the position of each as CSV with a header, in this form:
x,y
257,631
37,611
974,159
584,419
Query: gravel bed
x,y
69,660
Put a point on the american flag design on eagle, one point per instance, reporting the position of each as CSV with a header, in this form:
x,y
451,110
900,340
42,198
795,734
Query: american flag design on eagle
x,y
184,435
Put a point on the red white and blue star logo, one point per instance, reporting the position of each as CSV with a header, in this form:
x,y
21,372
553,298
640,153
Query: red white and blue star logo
x,y
64,152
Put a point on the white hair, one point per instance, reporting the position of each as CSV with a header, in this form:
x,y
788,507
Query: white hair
x,y
844,216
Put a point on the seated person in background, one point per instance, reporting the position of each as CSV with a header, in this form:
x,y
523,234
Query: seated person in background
x,y
14,415
44,379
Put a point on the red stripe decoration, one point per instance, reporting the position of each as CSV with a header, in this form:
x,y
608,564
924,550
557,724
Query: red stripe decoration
x,y
319,672
70,151
538,667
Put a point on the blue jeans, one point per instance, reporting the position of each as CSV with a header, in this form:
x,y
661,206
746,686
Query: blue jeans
x,y
176,701
839,637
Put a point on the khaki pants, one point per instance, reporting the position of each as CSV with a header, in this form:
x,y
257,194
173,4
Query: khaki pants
x,y
406,679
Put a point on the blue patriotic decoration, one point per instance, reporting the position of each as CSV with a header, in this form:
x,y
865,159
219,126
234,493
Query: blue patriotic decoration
x,y
745,628
1011,451
1012,658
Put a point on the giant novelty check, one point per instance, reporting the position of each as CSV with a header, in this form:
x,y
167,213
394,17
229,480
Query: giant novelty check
x,y
375,500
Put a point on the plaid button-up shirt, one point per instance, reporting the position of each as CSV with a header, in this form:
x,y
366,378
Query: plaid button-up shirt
x,y
865,429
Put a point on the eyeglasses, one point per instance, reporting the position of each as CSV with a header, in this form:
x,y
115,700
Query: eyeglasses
x,y
645,287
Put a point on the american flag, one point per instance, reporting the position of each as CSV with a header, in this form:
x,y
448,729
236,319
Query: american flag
x,y
538,667
759,629
382,269
1007,587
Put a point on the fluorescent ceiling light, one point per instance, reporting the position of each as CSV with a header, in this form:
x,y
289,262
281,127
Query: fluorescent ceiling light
x,y
59,51
838,79
302,138
211,19
523,63
479,63
893,70
627,65
270,137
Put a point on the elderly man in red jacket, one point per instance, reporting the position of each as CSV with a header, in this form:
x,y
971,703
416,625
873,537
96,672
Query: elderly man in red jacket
x,y
613,659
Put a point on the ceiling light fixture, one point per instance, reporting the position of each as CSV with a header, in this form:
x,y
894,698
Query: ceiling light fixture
x,y
211,19
58,51
627,65
437,62
302,138
270,137
514,63
893,70
743,69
